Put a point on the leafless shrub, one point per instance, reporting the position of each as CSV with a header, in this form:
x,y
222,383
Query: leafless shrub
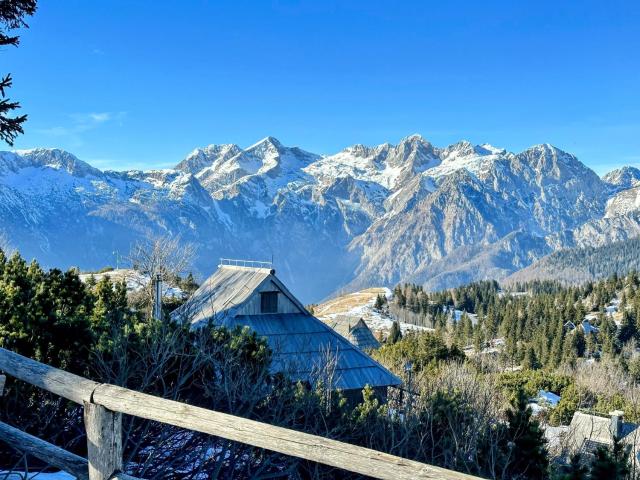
x,y
166,256
198,367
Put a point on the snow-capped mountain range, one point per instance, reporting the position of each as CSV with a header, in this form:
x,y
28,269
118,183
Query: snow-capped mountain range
x,y
365,216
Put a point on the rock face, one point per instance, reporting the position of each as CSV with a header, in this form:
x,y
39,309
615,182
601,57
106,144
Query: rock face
x,y
364,216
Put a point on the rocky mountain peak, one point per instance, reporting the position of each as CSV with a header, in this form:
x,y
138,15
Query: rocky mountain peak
x,y
625,177
267,144
371,215
57,159
208,156
459,149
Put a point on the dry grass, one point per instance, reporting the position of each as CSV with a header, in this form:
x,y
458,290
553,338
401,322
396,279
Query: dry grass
x,y
345,303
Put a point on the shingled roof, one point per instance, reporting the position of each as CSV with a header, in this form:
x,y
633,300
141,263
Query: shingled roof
x,y
302,345
356,331
226,290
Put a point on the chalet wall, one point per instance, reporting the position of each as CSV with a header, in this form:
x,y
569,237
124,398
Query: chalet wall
x,y
252,305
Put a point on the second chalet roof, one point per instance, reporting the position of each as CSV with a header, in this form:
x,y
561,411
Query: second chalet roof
x,y
302,345
356,331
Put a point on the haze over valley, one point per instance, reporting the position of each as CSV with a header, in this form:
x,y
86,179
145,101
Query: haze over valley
x,y
365,216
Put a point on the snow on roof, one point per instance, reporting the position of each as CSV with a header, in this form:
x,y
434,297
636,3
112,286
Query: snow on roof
x,y
548,397
457,315
588,328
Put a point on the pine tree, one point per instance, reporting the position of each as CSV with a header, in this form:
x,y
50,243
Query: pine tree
x,y
12,14
610,464
555,356
527,443
478,335
530,360
379,303
465,330
394,334
576,470
627,328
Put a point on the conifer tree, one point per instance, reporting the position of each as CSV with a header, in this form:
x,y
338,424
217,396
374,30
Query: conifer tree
x,y
527,442
627,329
610,464
576,470
555,356
12,14
394,334
530,360
379,303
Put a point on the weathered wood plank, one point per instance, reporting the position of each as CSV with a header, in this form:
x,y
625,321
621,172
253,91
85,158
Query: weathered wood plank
x,y
65,384
302,445
45,451
289,442
104,441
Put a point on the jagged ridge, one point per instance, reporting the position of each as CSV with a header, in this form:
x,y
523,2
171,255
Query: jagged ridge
x,y
364,216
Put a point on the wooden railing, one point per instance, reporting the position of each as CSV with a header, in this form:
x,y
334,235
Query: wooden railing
x,y
104,405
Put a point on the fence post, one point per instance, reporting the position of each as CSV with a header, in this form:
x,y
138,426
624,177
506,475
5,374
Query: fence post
x,y
104,441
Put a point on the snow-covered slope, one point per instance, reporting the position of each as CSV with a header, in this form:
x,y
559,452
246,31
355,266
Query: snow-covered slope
x,y
622,178
363,216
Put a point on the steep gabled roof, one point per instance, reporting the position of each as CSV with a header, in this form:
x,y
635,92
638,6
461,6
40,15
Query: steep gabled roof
x,y
302,345
355,330
588,430
226,290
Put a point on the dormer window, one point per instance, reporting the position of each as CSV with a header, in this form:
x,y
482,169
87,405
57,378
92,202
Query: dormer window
x,y
269,302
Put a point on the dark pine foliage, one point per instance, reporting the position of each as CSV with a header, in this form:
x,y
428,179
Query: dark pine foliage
x,y
12,16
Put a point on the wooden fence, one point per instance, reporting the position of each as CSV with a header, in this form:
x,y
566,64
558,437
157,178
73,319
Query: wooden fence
x,y
104,405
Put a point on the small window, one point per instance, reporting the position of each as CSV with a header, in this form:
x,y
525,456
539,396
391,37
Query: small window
x,y
269,302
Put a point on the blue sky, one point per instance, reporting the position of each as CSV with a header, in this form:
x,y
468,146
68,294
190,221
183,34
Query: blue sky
x,y
141,83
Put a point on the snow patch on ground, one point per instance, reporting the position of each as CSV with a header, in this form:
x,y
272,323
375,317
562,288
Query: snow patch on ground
x,y
360,305
5,475
134,280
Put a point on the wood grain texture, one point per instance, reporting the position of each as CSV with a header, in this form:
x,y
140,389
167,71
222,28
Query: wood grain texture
x,y
100,398
45,451
104,441
67,385
302,445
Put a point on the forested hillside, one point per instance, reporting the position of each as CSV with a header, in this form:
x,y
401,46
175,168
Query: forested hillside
x,y
453,408
580,265
539,324
98,330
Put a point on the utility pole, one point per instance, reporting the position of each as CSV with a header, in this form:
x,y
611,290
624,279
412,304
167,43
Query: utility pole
x,y
157,297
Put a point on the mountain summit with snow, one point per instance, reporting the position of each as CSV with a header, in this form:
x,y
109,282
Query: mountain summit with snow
x,y
365,216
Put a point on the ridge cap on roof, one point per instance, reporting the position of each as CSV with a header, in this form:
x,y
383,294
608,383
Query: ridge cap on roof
x,y
266,270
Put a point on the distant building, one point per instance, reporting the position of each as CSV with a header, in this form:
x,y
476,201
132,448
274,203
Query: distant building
x,y
548,398
302,345
543,401
356,331
588,328
588,432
